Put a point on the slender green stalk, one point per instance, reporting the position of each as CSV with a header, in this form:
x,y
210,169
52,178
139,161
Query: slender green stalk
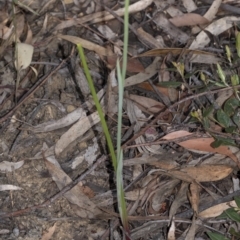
x,y
121,80
98,106
117,161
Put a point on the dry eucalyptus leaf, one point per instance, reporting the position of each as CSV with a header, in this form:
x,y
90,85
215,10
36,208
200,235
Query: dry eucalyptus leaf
x,y
141,77
171,231
164,190
205,173
193,196
216,210
216,28
148,104
6,187
200,144
134,113
23,55
60,123
179,200
29,36
162,21
188,19
76,131
20,23
6,166
191,232
49,233
5,32
189,5
212,11
135,194
87,44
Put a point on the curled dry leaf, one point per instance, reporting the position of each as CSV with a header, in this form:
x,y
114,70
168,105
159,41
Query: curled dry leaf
x,y
188,19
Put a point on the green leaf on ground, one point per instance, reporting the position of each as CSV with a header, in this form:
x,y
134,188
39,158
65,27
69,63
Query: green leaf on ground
x,y
223,118
217,236
234,233
237,200
233,214
207,111
222,142
230,106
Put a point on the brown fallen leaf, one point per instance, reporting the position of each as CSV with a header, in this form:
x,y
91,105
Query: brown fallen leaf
x,y
148,104
193,196
175,51
179,199
161,20
164,190
188,19
216,28
204,173
133,64
47,235
87,44
216,210
201,144
169,92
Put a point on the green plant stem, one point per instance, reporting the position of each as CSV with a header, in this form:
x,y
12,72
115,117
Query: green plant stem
x,y
98,106
121,80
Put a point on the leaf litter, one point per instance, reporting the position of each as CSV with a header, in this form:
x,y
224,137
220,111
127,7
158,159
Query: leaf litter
x,y
176,156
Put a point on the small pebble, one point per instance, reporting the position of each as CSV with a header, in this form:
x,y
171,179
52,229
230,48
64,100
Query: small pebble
x,y
16,232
